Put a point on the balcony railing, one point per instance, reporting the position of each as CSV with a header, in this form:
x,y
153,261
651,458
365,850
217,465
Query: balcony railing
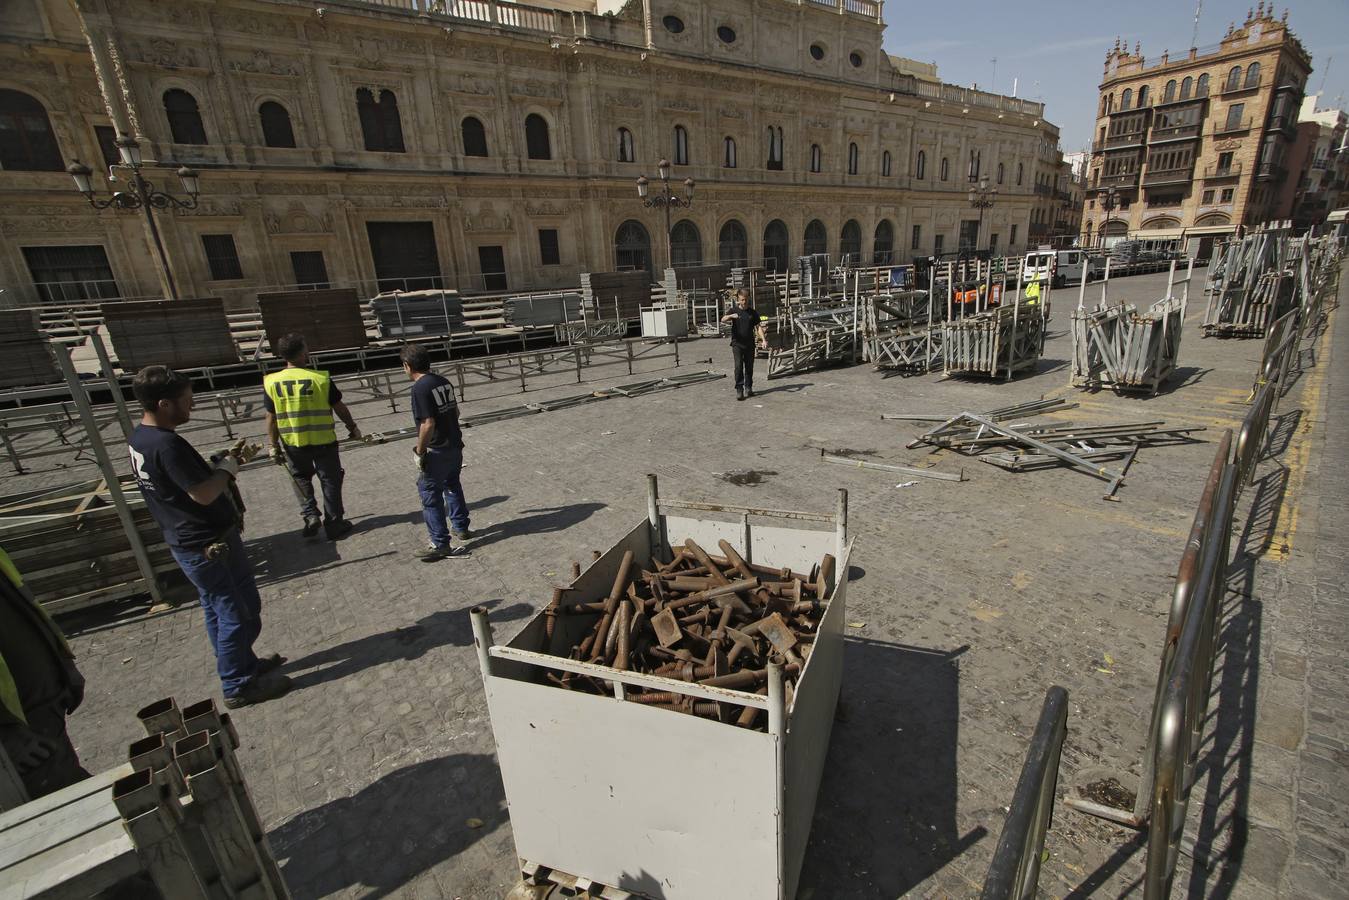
x,y
1243,85
1216,172
1132,139
1118,180
1232,127
1168,176
1175,133
957,95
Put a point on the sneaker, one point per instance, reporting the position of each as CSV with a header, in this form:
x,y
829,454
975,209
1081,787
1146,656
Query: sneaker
x,y
435,554
311,526
269,663
463,535
337,528
259,689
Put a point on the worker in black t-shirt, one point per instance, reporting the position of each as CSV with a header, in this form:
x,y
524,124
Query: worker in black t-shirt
x,y
190,501
746,324
438,454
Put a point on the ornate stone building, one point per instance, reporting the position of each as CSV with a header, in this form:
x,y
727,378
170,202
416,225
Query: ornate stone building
x,y
484,145
1196,146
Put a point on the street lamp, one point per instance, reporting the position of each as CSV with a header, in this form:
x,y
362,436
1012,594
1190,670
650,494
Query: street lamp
x,y
1109,200
982,197
140,195
665,200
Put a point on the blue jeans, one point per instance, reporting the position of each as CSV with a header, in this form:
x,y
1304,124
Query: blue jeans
x,y
233,609
439,482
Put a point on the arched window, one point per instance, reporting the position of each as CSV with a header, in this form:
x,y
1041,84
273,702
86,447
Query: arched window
x,y
883,244
686,245
27,143
775,148
976,163
1169,92
276,130
681,146
1020,172
380,123
945,168
1110,103
1126,98
885,164
185,125
1253,75
537,145
853,158
1233,79
920,166
1000,173
1201,86
816,159
625,148
632,247
1186,87
1143,96
728,153
474,135
817,240
775,246
850,242
733,244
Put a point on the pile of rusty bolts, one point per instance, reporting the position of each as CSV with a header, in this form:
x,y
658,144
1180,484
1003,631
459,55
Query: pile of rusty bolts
x,y
712,620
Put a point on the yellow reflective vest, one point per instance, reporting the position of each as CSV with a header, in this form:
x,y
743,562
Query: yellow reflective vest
x,y
300,400
11,710
1033,293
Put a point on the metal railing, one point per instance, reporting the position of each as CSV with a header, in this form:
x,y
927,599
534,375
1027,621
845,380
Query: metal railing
x,y
1232,127
1168,176
1230,171
1015,870
1119,179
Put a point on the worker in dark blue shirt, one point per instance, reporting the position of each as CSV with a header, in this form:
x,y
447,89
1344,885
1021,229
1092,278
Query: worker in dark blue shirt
x,y
746,324
191,501
439,455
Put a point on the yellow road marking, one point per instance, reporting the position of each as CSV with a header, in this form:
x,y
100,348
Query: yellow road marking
x,y
1299,452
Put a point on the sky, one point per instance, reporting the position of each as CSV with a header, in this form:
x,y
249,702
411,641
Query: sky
x,y
1055,51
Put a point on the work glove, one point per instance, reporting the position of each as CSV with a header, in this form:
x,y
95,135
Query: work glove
x,y
27,749
419,460
229,465
277,455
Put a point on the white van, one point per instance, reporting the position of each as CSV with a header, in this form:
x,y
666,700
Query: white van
x,y
1063,266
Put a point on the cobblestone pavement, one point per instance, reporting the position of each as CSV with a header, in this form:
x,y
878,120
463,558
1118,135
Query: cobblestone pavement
x,y
971,599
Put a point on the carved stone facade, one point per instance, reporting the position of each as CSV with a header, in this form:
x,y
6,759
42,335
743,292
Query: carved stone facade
x,y
1198,145
893,148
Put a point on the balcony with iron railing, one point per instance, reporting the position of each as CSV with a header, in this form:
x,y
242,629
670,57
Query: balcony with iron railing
x,y
1213,173
1230,127
1168,176
1188,131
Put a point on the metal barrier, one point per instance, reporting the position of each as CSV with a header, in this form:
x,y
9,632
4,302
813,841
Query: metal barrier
x,y
1015,870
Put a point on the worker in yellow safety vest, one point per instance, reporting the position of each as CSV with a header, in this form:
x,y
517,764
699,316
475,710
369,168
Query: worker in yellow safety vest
x,y
39,687
300,403
1033,293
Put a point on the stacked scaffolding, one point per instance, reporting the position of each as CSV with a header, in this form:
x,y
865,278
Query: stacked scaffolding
x,y
999,341
1116,347
1253,286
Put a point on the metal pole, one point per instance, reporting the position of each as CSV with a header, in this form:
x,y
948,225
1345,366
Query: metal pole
x,y
482,640
143,190
110,475
115,388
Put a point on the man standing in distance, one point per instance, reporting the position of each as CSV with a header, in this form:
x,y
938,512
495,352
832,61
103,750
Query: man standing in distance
x,y
190,501
300,403
746,324
439,455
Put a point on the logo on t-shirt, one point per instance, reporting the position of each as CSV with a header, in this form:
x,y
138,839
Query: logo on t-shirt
x,y
444,397
138,469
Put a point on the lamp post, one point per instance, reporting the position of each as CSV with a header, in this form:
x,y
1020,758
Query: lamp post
x,y
982,197
140,195
666,200
1109,200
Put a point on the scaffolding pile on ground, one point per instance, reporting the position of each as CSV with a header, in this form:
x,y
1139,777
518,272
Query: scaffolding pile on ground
x,y
55,429
1026,446
1115,347
178,813
1252,285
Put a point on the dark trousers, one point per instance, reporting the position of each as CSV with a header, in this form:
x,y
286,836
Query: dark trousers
x,y
62,768
322,460
742,359
232,606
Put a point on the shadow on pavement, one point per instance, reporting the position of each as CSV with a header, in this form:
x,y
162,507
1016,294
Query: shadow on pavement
x,y
534,521
363,843
440,629
885,819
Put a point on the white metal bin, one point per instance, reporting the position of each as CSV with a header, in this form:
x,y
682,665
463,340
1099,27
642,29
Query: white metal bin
x,y
652,801
665,321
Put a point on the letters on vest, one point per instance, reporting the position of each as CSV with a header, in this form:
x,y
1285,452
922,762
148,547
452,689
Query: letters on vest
x,y
300,398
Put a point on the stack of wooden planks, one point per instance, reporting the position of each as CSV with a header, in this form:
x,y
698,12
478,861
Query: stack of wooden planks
x,y
329,320
24,356
616,294
181,334
70,547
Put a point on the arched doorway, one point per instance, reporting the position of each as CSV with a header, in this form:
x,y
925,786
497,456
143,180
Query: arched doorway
x,y
632,247
733,244
817,239
686,244
775,248
883,244
850,243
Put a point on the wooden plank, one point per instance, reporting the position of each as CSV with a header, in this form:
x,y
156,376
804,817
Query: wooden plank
x,y
93,862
